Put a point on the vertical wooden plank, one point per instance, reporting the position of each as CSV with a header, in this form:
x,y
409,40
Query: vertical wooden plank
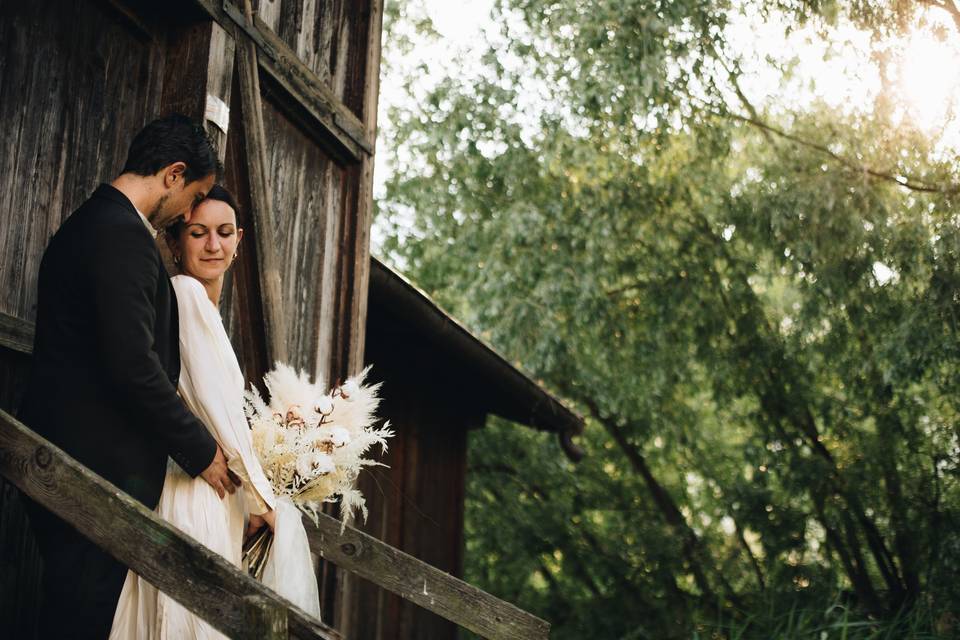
x,y
242,306
357,263
305,47
329,280
216,115
361,246
185,74
260,192
328,25
197,82
269,12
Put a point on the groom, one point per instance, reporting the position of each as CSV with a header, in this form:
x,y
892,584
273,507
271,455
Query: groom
x,y
106,362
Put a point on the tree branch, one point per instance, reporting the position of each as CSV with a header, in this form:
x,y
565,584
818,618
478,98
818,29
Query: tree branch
x,y
950,6
902,181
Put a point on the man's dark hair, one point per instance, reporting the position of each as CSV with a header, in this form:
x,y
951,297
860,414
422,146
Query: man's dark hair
x,y
175,138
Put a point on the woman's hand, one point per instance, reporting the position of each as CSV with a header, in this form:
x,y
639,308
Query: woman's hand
x,y
257,521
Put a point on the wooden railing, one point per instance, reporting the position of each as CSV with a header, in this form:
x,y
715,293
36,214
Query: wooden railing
x,y
423,584
226,597
193,575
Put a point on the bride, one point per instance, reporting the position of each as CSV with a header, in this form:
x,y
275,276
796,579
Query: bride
x,y
211,385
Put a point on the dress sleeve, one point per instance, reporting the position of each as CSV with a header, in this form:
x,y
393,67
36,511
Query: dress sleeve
x,y
211,384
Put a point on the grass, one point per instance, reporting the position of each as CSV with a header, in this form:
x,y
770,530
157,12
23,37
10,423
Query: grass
x,y
836,621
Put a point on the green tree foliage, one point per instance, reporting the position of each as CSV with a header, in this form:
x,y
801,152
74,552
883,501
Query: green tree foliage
x,y
755,308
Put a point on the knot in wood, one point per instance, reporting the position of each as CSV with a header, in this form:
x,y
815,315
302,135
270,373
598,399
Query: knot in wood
x,y
348,548
43,457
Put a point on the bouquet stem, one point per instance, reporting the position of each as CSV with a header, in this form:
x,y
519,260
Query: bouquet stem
x,y
256,550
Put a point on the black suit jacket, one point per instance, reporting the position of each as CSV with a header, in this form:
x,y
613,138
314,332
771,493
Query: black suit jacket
x,y
106,357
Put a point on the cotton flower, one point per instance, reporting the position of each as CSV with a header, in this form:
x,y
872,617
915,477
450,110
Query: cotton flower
x,y
323,405
322,463
305,465
339,436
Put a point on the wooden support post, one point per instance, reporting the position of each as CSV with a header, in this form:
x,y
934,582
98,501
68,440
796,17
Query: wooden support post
x,y
260,197
361,249
265,619
357,266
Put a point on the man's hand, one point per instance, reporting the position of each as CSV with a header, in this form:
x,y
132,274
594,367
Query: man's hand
x,y
257,521
219,476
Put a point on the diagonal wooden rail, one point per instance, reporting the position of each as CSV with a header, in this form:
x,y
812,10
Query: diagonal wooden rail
x,y
422,584
199,579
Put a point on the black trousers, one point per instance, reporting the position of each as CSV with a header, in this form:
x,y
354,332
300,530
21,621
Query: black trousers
x,y
80,583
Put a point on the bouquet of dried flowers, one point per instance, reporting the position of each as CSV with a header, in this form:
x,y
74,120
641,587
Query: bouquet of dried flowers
x,y
311,443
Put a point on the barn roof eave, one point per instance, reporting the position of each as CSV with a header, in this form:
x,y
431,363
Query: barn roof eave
x,y
516,396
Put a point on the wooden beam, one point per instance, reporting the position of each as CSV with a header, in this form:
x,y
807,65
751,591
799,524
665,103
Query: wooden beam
x,y
260,199
350,141
193,575
283,62
16,334
421,583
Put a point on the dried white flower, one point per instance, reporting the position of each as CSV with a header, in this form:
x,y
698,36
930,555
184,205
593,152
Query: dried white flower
x,y
350,389
294,417
289,438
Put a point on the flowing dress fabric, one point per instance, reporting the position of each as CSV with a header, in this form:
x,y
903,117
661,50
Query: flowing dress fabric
x,y
211,385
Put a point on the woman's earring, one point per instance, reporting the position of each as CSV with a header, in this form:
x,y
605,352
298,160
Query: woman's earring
x,y
176,259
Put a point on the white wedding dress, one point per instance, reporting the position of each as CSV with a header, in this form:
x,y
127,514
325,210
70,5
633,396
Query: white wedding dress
x,y
211,385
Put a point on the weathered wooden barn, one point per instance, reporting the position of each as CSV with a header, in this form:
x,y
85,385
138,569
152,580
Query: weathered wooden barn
x,y
289,90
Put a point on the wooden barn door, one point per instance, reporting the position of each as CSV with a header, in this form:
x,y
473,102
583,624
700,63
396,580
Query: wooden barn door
x,y
289,91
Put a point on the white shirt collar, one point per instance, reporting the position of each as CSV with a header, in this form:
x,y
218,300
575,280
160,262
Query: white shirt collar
x,y
146,223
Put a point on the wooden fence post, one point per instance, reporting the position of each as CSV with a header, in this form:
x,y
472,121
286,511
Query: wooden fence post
x,y
265,619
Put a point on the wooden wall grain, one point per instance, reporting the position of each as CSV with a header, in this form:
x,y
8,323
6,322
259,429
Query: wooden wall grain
x,y
417,503
306,197
329,36
75,85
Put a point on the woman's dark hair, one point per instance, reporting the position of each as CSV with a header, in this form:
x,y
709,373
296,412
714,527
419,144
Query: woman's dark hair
x,y
175,138
217,192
